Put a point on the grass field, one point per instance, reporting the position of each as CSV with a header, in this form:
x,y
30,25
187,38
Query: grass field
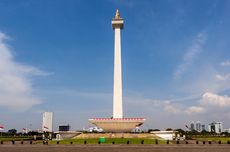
x,y
110,141
15,138
214,139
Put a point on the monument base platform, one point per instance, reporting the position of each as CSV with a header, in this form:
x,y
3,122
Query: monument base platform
x,y
117,135
118,125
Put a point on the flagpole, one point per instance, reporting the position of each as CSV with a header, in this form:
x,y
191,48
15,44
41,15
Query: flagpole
x,y
1,129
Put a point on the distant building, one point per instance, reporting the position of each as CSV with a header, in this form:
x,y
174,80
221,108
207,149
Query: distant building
x,y
166,135
192,126
227,130
93,129
47,123
25,130
216,127
198,126
64,127
203,128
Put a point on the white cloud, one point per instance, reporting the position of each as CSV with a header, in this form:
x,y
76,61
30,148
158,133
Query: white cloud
x,y
211,99
210,102
177,109
190,54
195,110
15,87
171,108
223,77
225,63
167,105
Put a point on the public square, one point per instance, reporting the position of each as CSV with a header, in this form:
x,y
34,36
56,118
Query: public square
x,y
114,75
114,148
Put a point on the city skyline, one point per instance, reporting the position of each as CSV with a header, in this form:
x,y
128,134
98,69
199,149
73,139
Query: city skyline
x,y
58,56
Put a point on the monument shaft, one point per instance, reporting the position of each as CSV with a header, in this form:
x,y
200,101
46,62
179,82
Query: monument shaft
x,y
117,24
117,88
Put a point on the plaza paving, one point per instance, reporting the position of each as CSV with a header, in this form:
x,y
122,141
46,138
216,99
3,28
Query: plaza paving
x,y
115,148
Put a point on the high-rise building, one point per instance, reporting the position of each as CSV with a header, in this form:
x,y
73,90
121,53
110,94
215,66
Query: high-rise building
x,y
192,126
198,126
47,123
203,127
216,127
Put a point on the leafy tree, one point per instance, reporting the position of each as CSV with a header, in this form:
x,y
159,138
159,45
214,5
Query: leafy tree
x,y
225,134
169,129
32,133
153,130
180,131
12,131
204,132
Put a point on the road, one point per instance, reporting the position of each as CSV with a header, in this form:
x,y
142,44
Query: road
x,y
114,148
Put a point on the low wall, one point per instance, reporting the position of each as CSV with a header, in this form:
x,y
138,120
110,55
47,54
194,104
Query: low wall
x,y
67,134
116,135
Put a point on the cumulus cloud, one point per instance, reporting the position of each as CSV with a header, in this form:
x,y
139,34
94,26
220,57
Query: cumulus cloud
x,y
225,63
171,108
223,77
190,54
211,99
204,107
195,110
167,105
16,90
210,102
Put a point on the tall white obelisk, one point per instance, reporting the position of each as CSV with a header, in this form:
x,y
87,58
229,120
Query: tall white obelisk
x,y
118,123
117,24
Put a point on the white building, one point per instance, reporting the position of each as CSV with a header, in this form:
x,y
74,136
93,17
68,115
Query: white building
x,y
192,126
47,123
93,129
198,126
216,127
166,135
227,130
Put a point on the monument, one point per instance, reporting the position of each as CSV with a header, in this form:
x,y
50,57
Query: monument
x,y
117,123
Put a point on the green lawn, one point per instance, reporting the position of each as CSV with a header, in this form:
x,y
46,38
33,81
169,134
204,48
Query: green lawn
x,y
15,138
110,141
214,139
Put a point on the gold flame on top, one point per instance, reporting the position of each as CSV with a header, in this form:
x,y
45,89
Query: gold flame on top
x,y
117,14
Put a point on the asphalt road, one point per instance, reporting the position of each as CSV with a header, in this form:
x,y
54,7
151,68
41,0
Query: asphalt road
x,y
114,148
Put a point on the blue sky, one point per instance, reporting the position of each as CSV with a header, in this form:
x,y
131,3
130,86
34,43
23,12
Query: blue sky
x,y
58,56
